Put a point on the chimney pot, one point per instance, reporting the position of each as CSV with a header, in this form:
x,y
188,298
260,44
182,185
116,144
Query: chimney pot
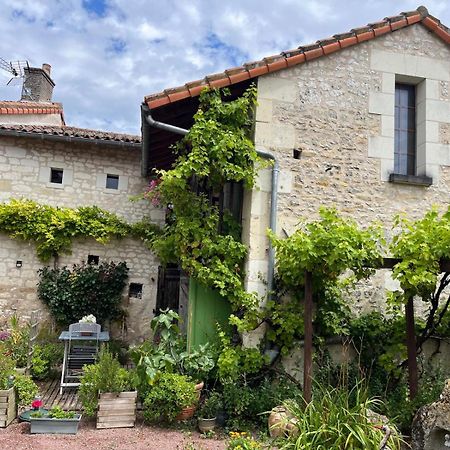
x,y
47,68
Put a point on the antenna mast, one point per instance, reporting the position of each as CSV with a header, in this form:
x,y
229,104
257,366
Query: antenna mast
x,y
16,68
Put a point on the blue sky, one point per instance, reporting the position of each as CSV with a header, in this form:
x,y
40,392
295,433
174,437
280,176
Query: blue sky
x,y
106,55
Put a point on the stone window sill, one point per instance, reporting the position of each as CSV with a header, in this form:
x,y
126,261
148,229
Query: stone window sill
x,y
415,180
55,185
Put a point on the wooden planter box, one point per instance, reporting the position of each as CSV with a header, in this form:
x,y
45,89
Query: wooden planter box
x,y
48,425
116,410
8,408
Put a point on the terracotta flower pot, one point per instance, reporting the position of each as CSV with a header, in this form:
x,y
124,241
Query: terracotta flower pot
x,y
188,412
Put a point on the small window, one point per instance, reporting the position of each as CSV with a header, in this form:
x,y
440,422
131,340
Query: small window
x,y
405,129
93,259
56,176
135,290
112,181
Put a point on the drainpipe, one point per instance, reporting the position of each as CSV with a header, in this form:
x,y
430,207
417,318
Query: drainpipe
x,y
274,187
164,126
273,214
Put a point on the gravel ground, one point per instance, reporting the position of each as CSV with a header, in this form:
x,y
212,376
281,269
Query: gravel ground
x,y
17,437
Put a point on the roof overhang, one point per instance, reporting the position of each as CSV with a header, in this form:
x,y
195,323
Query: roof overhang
x,y
157,151
16,133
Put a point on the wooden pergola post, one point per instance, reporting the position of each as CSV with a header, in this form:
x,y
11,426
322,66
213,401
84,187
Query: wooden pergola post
x,y
307,363
388,263
411,346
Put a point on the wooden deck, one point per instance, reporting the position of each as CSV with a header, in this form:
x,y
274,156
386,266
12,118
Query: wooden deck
x,y
49,391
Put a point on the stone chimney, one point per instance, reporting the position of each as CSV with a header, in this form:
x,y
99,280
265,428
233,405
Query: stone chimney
x,y
37,84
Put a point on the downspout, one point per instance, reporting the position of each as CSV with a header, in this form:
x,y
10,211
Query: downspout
x,y
274,188
273,215
164,126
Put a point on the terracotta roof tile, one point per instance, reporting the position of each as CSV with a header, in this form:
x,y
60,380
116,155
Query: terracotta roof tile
x,y
24,107
82,133
298,56
11,107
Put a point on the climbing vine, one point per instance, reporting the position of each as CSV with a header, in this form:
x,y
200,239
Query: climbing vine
x,y
338,253
421,246
217,150
53,229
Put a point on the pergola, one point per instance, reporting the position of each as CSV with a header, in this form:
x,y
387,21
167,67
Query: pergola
x,y
388,263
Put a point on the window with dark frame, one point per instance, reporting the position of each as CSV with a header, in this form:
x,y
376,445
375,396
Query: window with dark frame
x,y
405,129
112,181
56,175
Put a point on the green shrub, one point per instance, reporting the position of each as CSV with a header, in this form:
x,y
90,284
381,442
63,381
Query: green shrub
x,y
26,389
211,406
84,290
45,358
247,406
6,371
401,409
105,376
168,396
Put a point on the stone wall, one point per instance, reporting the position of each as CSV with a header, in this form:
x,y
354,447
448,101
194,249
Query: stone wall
x,y
24,168
337,113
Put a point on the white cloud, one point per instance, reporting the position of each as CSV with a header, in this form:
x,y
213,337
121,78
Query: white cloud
x,y
104,65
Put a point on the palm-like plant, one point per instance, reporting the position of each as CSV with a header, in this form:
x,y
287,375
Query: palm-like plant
x,y
337,419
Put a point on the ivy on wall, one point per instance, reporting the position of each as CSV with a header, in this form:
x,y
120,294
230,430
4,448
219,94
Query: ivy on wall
x,y
53,228
73,293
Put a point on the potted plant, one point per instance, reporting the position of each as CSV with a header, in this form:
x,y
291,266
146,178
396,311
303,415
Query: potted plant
x,y
55,421
169,354
172,397
108,391
87,321
15,343
208,412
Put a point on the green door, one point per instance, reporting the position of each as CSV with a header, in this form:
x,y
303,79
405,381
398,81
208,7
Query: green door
x,y
206,308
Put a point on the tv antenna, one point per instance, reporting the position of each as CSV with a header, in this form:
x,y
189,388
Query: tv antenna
x,y
15,68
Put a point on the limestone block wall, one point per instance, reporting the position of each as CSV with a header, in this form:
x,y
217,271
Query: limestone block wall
x,y
337,112
24,173
143,269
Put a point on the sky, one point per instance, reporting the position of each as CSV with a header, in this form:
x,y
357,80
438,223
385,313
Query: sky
x,y
106,55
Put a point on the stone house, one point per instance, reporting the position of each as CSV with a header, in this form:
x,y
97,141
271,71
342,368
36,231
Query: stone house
x,y
359,121
44,160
